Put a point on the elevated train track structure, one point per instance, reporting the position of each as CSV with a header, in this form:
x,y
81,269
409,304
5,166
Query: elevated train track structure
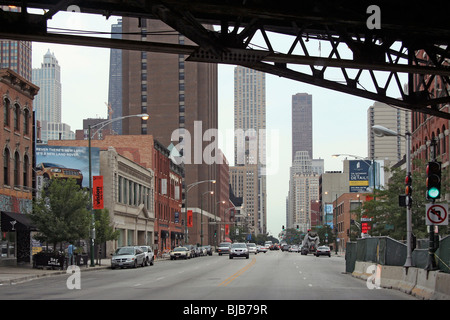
x,y
379,44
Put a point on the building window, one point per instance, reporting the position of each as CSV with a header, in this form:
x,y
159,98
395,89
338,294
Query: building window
x,y
16,169
6,167
16,117
6,112
26,163
26,122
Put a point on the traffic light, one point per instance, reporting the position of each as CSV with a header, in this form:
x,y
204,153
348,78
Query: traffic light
x,y
408,190
433,180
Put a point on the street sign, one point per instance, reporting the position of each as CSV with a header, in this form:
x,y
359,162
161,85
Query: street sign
x,y
436,214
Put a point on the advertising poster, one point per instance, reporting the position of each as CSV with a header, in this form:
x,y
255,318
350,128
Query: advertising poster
x,y
97,192
63,162
359,175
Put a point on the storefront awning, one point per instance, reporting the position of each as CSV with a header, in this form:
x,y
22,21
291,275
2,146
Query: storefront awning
x,y
12,221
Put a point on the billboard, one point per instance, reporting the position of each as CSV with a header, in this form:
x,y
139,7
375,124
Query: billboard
x,y
62,162
359,175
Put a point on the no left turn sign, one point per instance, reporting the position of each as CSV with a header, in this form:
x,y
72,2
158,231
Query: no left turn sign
x,y
436,214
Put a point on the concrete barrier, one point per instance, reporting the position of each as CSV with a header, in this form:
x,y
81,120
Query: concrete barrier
x,y
426,284
442,289
391,277
408,280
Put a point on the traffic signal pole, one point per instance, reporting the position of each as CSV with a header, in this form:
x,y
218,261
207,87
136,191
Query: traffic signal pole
x,y
433,173
408,261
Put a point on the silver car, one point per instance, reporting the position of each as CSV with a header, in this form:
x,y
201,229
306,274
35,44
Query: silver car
x,y
128,257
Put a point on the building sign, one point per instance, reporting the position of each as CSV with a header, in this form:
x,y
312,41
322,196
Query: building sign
x,y
97,192
359,175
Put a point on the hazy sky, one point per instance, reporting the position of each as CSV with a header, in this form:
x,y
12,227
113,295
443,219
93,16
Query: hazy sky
x,y
339,120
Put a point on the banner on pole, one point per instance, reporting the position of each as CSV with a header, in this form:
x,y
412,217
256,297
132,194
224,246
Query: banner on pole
x,y
97,191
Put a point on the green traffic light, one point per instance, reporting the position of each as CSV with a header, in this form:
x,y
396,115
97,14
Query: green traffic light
x,y
433,193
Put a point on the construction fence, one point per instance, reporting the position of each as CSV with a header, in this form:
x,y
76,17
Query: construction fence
x,y
390,252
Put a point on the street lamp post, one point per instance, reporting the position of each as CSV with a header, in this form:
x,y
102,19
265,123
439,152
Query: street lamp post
x,y
381,131
102,124
189,187
201,216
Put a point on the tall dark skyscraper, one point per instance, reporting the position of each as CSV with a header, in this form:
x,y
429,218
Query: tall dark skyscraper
x,y
175,93
302,124
115,80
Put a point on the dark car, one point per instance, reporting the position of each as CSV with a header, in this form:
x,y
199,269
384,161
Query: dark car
x,y
323,251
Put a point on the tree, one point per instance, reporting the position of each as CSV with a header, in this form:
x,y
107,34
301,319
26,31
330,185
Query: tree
x,y
60,214
103,229
388,218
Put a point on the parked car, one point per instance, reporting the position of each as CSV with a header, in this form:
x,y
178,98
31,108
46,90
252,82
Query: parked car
x,y
261,249
252,248
323,251
149,255
224,248
209,250
239,250
128,257
180,252
56,171
192,249
202,250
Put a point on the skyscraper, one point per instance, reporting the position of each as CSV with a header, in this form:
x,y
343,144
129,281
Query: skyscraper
x,y
48,77
16,55
178,96
248,178
115,80
302,124
48,103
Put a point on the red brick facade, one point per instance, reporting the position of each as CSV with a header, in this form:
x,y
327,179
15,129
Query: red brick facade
x,y
16,141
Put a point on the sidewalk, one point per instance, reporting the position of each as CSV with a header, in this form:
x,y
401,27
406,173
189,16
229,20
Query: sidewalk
x,y
10,275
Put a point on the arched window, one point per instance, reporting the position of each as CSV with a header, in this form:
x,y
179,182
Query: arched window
x,y
6,104
16,117
444,141
26,163
26,122
16,169
6,167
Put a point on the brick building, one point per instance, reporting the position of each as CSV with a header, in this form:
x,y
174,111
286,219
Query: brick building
x,y
16,141
426,127
149,153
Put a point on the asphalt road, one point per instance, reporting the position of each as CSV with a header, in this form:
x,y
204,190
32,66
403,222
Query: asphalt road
x,y
274,275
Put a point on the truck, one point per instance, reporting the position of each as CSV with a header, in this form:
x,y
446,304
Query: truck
x,y
310,242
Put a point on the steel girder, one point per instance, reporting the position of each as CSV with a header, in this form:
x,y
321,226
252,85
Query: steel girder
x,y
353,58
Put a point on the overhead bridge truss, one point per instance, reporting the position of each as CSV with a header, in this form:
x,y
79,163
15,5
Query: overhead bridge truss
x,y
374,52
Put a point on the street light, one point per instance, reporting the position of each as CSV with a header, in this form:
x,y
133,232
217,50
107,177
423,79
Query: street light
x,y
381,131
102,124
189,187
201,216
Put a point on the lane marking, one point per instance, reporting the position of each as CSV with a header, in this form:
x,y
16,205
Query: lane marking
x,y
230,279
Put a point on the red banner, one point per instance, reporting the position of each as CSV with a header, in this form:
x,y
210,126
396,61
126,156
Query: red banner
x,y
190,222
227,229
97,192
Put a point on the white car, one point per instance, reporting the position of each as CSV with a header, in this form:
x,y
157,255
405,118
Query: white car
x,y
128,257
149,255
252,248
239,250
180,252
261,249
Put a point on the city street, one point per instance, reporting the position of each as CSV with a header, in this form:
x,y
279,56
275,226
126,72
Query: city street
x,y
274,275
